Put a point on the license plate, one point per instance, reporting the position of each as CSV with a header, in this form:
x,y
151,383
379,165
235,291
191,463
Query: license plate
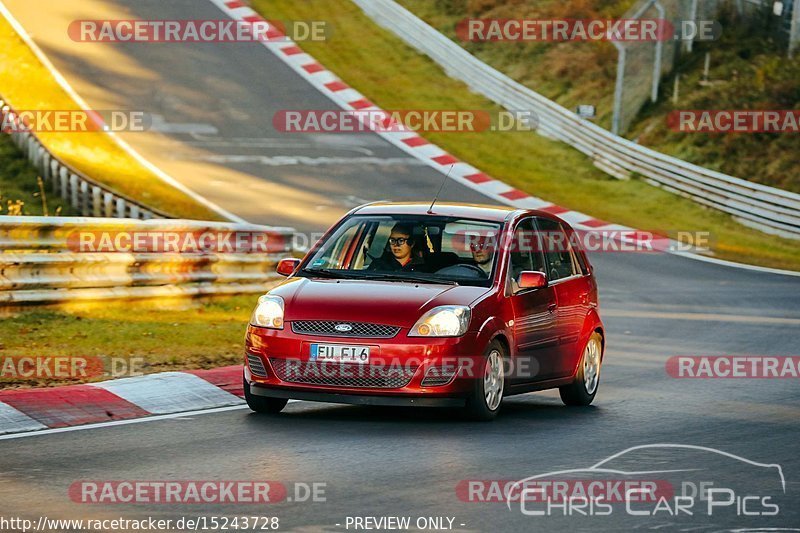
x,y
339,353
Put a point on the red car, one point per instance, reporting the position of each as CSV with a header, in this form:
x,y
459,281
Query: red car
x,y
452,305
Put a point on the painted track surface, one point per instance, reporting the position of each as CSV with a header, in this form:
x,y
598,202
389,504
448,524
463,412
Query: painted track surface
x,y
387,461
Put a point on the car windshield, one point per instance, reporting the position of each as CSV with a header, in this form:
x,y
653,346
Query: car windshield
x,y
430,249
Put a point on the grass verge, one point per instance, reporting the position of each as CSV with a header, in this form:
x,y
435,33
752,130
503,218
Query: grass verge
x,y
395,76
28,85
21,192
178,335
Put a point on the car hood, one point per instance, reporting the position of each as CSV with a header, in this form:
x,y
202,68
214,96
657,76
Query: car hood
x,y
381,302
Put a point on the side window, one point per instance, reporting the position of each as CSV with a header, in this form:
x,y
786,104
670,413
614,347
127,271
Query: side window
x,y
557,250
525,250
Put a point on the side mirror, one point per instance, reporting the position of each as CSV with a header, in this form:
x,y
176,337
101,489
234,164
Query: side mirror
x,y
531,280
286,267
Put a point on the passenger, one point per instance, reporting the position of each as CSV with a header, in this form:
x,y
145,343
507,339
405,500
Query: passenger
x,y
403,257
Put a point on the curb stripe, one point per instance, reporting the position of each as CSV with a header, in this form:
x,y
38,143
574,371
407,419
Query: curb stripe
x,y
71,405
335,86
361,104
416,141
14,421
446,159
291,50
169,392
478,178
313,68
228,378
514,194
554,209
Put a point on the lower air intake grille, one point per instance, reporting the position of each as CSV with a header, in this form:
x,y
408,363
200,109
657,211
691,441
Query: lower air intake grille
x,y
256,366
436,376
327,328
342,374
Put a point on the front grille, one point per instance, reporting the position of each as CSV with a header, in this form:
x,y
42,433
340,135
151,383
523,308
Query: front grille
x,y
437,376
256,365
327,328
342,374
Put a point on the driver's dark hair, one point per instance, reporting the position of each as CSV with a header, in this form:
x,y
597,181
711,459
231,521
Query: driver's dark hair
x,y
404,229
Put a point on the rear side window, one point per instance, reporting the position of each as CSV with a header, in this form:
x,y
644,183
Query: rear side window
x,y
559,255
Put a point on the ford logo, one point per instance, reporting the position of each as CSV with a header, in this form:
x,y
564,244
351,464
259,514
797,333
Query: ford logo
x,y
344,328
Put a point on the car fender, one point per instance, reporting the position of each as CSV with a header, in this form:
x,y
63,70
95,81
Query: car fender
x,y
590,325
492,328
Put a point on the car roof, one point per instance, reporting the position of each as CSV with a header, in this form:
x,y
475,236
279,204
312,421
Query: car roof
x,y
494,213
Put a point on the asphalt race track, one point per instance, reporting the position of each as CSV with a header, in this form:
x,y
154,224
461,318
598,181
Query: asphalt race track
x,y
400,462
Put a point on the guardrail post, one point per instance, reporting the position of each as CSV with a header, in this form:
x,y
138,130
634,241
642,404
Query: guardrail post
x,y
97,207
617,116
693,17
46,174
120,208
108,205
63,178
659,51
794,29
32,149
73,191
85,199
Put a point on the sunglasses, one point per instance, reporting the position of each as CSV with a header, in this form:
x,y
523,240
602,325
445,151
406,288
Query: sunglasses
x,y
478,247
401,241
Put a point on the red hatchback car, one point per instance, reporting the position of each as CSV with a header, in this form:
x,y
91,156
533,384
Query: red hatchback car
x,y
455,305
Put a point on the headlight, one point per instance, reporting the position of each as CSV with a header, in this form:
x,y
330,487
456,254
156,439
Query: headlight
x,y
443,321
268,313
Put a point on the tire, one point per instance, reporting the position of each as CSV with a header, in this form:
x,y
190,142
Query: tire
x,y
581,391
482,405
262,404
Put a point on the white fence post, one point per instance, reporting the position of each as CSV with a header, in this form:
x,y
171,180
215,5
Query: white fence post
x,y
97,207
108,205
120,208
73,192
85,199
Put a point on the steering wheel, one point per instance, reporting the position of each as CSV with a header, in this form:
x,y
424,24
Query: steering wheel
x,y
474,268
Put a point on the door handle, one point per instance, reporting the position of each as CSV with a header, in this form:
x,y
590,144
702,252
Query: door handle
x,y
552,308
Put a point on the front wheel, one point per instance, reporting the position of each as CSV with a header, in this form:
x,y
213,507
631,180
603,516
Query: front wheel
x,y
487,393
587,379
262,404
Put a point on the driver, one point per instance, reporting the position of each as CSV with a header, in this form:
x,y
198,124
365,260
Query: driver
x,y
482,253
403,257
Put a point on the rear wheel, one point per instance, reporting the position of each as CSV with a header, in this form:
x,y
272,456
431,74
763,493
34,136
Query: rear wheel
x,y
489,385
262,404
587,379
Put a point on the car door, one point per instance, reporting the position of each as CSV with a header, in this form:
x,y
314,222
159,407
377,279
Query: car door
x,y
571,285
535,310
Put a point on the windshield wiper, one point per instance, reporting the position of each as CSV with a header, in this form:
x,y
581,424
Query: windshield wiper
x,y
326,273
409,277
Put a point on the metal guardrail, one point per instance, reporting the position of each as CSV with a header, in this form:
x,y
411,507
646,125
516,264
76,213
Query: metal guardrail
x,y
38,262
765,208
87,196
